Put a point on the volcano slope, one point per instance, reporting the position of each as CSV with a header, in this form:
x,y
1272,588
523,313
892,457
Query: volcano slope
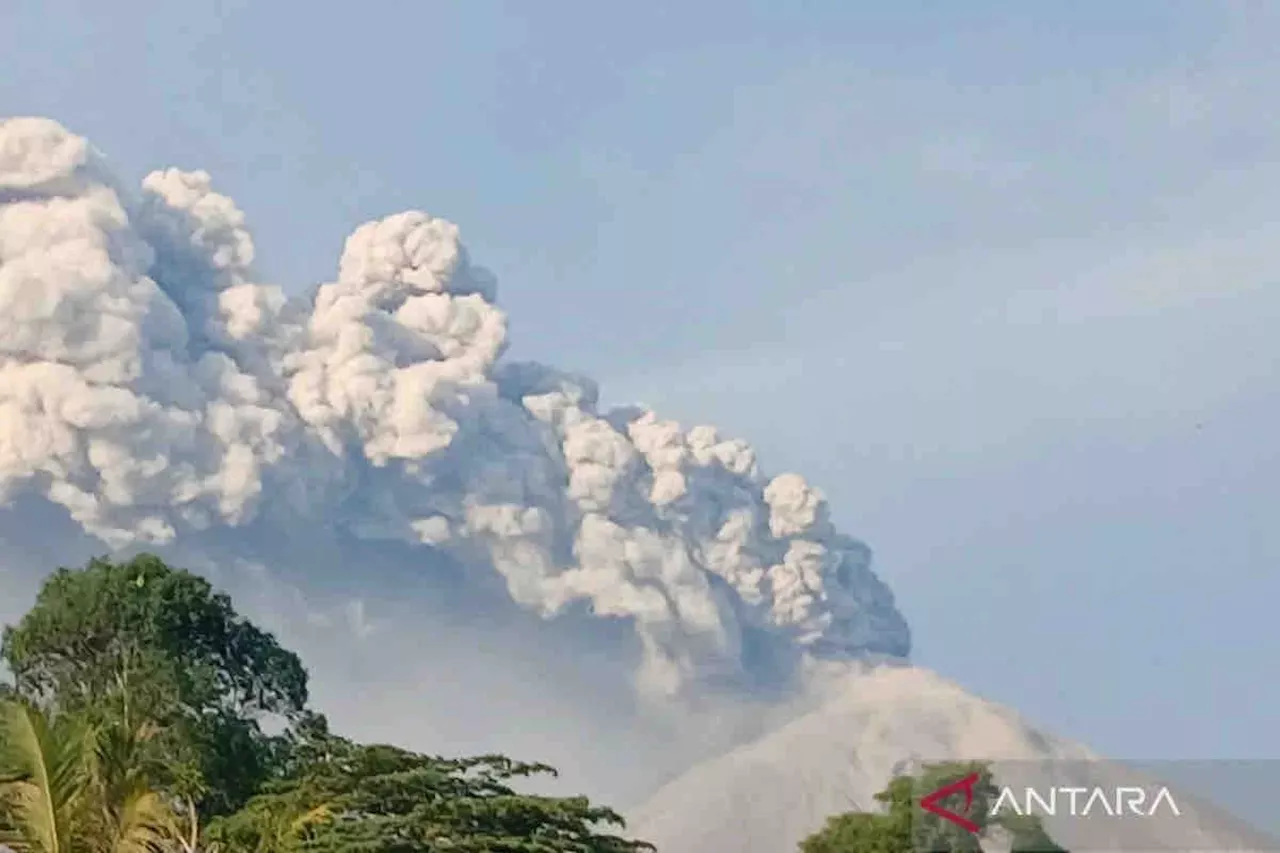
x,y
876,722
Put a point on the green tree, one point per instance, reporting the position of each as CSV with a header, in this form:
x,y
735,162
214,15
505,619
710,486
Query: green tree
x,y
931,832
342,796
44,773
856,831
134,726
206,676
66,787
904,827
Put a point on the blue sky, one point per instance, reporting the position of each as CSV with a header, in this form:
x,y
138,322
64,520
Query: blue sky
x,y
1001,278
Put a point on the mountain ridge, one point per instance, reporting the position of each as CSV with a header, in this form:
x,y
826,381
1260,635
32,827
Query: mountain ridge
x,y
885,719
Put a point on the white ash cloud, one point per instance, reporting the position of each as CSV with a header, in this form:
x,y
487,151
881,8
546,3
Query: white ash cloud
x,y
151,386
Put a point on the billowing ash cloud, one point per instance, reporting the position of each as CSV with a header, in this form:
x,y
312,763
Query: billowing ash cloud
x,y
152,387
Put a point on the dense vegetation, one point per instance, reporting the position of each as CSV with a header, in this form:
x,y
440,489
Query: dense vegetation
x,y
904,827
137,717
137,720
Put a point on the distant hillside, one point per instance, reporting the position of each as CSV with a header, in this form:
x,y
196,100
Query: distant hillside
x,y
766,796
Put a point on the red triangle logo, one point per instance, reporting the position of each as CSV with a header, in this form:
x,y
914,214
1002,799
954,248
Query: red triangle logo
x,y
930,802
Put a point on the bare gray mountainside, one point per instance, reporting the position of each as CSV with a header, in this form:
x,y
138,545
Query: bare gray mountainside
x,y
769,794
765,796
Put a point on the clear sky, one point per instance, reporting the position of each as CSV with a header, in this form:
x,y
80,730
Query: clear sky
x,y
1000,277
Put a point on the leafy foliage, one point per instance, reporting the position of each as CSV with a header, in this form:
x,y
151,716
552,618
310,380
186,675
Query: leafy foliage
x,y
192,665
904,827
134,726
346,796
67,787
856,831
43,778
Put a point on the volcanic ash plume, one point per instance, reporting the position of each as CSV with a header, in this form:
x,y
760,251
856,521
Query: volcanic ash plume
x,y
157,391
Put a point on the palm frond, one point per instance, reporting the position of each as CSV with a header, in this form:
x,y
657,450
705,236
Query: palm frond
x,y
43,765
143,823
132,816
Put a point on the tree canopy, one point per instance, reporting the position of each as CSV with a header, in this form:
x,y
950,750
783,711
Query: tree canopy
x,y
348,796
134,725
905,827
164,641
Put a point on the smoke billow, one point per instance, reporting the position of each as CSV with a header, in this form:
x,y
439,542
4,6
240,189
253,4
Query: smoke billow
x,y
161,395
